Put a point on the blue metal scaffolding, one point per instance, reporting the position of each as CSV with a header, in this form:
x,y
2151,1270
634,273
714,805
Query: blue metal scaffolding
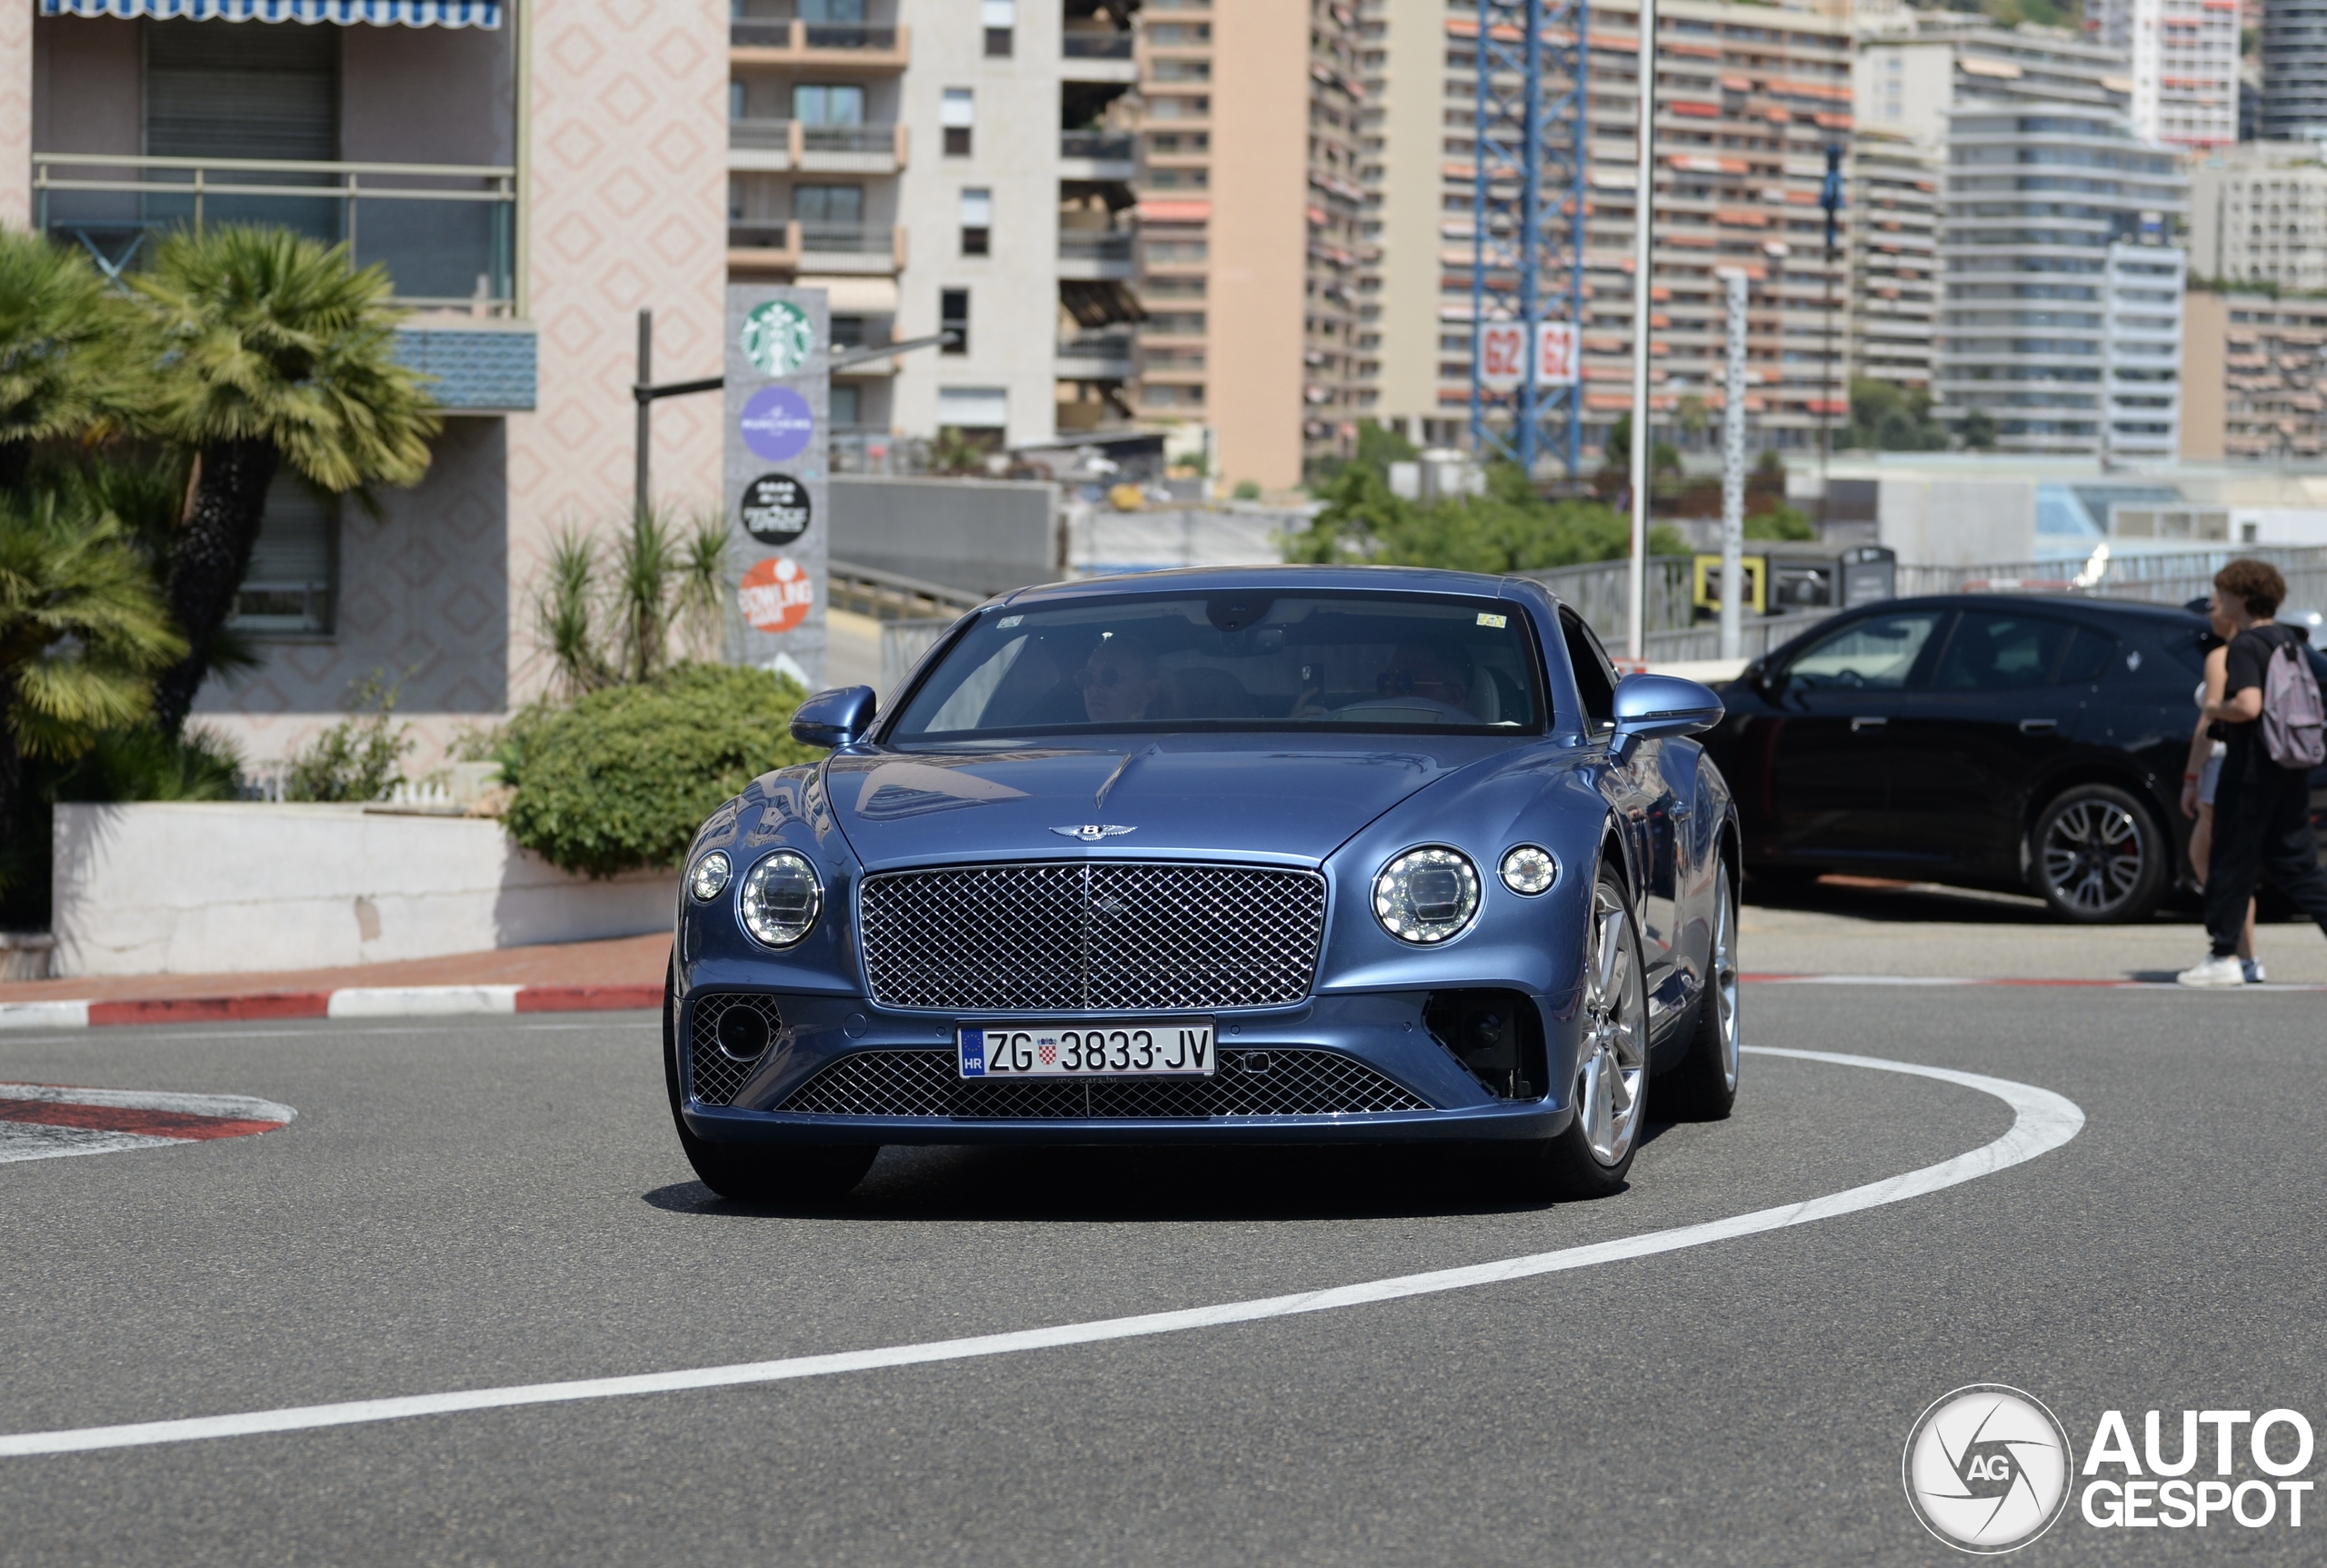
x,y
1527,208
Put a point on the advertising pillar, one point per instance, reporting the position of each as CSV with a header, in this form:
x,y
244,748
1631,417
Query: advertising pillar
x,y
777,473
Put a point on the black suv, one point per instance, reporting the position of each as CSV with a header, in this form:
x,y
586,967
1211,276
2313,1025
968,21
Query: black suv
x,y
2016,741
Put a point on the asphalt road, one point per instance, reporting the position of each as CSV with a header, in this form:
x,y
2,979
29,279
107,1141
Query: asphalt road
x,y
471,1204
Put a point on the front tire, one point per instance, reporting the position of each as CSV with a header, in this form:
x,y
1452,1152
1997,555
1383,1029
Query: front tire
x,y
1610,1095
2098,858
755,1173
1704,1085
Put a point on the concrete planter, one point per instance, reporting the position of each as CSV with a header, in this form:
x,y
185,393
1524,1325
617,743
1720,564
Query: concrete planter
x,y
162,887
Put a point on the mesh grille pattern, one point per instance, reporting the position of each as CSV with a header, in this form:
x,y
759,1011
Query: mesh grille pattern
x,y
1299,1082
1098,936
713,1075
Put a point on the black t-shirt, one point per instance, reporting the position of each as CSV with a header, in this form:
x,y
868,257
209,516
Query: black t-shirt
x,y
2246,665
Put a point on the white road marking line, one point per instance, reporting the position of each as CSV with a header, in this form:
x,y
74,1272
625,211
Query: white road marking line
x,y
39,1140
239,1107
2042,1122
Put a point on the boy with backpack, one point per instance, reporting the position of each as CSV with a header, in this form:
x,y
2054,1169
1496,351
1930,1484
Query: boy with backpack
x,y
2270,715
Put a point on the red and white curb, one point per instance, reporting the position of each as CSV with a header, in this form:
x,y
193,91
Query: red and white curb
x,y
1966,980
349,1001
43,1121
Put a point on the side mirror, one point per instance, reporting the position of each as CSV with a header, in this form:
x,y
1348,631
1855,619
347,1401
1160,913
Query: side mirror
x,y
834,718
1755,676
1653,707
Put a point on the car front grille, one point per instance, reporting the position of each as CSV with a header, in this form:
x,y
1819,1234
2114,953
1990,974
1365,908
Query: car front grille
x,y
1272,1083
714,1075
1081,936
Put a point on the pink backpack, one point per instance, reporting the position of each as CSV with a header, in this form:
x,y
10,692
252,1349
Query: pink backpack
x,y
2292,716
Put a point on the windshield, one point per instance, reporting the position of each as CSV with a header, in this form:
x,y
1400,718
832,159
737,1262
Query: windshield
x,y
1235,662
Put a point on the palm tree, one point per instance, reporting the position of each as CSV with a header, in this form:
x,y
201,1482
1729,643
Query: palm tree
x,y
81,633
272,350
61,337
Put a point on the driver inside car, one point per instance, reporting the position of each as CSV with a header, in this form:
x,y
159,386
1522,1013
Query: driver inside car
x,y
1431,671
1120,684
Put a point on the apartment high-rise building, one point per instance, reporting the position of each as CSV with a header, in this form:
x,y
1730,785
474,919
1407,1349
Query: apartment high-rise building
x,y
1894,186
1248,220
2062,319
1750,97
957,167
2294,69
2254,378
2258,215
2182,58
2059,318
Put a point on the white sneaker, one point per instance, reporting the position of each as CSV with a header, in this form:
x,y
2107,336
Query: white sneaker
x,y
2254,968
2214,972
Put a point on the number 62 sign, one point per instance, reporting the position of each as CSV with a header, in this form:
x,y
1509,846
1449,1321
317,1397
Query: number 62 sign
x,y
1502,348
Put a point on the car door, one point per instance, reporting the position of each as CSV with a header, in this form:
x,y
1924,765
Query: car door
x,y
1829,745
1999,712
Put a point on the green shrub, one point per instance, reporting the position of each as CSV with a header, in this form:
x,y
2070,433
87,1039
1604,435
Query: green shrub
x,y
623,778
144,763
360,758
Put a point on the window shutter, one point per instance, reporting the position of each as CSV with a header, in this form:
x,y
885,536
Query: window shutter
x,y
237,90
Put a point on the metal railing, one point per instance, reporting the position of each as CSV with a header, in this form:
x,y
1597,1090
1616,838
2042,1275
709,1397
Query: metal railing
x,y
764,237
848,138
760,136
771,33
891,597
1596,592
2163,578
1073,247
1096,45
1100,146
1112,345
851,239
447,232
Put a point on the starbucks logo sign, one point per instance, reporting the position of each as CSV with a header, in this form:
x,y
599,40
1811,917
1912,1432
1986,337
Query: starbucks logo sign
x,y
778,338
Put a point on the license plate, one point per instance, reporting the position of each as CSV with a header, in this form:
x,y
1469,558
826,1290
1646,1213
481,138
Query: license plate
x,y
1135,1048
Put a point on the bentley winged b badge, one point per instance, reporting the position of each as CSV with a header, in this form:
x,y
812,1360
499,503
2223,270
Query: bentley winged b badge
x,y
1092,831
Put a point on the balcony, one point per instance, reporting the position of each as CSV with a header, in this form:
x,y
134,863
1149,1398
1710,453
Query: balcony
x,y
1096,356
1098,155
1097,55
819,247
873,48
1095,254
445,232
774,146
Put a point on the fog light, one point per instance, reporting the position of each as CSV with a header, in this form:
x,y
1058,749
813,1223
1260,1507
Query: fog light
x,y
780,899
710,876
1529,870
1426,895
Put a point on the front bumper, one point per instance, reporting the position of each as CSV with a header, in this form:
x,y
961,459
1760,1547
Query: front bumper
x,y
1382,1031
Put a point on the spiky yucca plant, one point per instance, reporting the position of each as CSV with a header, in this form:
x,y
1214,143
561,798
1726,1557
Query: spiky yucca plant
x,y
272,349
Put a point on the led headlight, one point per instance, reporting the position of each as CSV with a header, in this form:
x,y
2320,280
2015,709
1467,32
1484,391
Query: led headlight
x,y
780,899
710,876
1529,870
1426,895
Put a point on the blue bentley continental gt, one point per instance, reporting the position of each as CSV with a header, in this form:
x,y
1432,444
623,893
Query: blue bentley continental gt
x,y
1270,854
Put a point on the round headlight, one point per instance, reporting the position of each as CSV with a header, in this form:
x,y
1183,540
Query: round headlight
x,y
781,898
710,876
1529,870
1426,895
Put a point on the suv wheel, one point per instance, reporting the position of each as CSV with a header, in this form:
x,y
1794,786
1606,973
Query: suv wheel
x,y
2097,856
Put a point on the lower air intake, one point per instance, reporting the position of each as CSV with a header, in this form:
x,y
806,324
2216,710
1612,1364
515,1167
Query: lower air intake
x,y
1297,1083
727,1036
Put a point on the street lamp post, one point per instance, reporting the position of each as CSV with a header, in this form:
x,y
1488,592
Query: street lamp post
x,y
1644,209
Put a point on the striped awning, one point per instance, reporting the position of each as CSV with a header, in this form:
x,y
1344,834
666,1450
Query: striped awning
x,y
346,13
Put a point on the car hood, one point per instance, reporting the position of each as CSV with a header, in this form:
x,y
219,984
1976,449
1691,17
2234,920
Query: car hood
x,y
1267,796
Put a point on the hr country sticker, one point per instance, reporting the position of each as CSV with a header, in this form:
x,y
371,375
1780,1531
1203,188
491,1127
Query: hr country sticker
x,y
777,595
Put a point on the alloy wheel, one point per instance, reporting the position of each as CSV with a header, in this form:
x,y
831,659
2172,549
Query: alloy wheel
x,y
1724,975
1614,1074
2093,856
